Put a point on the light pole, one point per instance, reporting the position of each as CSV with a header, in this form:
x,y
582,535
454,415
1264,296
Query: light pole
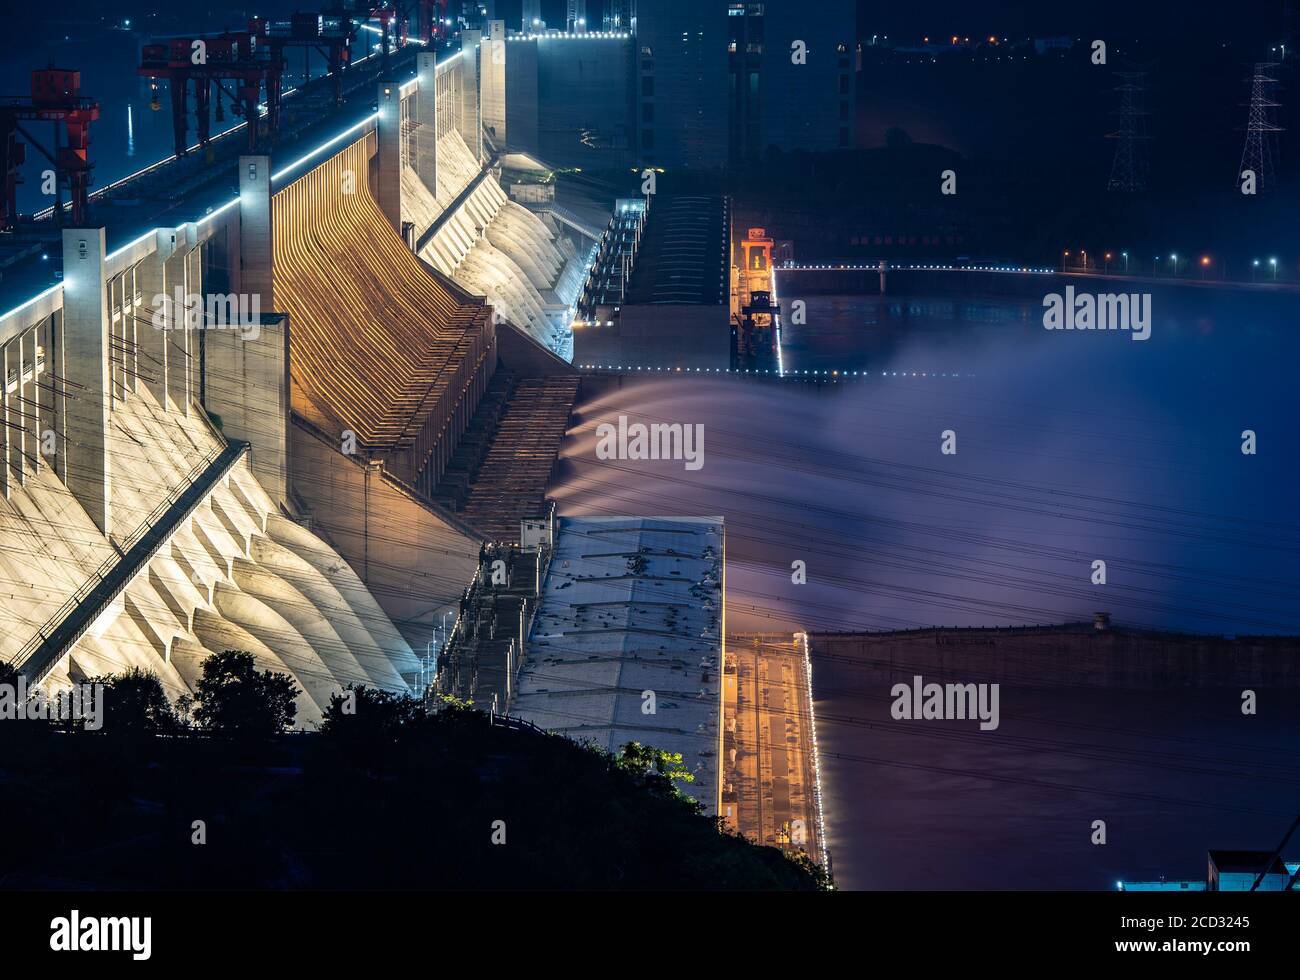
x,y
1125,257
1273,263
1253,266
1173,257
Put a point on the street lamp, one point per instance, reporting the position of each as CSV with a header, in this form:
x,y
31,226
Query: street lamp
x,y
1273,263
1125,256
1173,257
1108,258
1253,266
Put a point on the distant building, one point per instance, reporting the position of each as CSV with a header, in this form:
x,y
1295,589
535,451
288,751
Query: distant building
x,y
575,17
532,16
1230,871
679,83
475,14
620,15
791,82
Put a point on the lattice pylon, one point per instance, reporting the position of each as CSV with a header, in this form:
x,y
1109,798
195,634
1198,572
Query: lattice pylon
x,y
1260,151
1128,172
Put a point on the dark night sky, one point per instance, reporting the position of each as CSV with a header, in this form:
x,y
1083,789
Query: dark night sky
x,y
1174,21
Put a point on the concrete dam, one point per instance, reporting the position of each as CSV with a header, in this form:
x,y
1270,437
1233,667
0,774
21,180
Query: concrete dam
x,y
314,481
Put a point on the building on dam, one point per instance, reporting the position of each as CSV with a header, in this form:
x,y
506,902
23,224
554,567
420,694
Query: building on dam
x,y
657,296
608,630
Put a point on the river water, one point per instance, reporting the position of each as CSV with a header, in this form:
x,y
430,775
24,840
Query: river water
x,y
1070,448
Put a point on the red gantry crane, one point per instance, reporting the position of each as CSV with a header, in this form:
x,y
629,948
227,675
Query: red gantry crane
x,y
241,59
56,99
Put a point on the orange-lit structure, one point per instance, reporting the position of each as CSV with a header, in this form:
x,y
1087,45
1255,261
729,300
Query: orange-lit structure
x,y
754,311
55,97
380,347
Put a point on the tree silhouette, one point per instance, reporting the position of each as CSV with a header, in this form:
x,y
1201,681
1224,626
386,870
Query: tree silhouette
x,y
232,698
136,704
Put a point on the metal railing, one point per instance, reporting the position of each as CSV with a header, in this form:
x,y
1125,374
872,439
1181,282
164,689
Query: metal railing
x,y
41,653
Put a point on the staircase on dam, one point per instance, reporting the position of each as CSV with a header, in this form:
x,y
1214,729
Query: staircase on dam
x,y
481,659
506,466
474,444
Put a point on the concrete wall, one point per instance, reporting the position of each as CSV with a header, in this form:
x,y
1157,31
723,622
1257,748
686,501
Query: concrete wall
x,y
87,356
247,385
1054,656
521,94
525,356
415,559
494,57
667,336
586,85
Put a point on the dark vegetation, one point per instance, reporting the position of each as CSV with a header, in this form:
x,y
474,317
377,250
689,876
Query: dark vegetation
x,y
388,794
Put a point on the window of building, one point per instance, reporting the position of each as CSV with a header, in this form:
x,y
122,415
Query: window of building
x,y
647,112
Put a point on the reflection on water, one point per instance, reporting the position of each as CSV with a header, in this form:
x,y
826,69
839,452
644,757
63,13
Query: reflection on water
x,y
128,135
1070,448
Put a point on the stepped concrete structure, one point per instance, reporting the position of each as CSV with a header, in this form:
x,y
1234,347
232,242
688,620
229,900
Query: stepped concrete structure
x,y
237,422
529,268
182,552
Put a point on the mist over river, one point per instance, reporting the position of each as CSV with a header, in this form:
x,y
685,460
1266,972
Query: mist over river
x,y
1071,447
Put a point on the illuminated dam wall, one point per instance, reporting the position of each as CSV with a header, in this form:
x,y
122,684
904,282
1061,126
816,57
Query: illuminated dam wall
x,y
170,488
134,531
393,352
494,247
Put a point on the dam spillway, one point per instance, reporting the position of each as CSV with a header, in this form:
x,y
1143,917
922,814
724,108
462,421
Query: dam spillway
x,y
527,269
382,350
279,487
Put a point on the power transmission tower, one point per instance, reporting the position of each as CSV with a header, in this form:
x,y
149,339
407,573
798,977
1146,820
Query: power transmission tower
x,y
1128,173
1260,152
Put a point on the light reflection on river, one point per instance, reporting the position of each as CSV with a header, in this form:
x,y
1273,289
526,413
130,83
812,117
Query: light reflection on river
x,y
1071,447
